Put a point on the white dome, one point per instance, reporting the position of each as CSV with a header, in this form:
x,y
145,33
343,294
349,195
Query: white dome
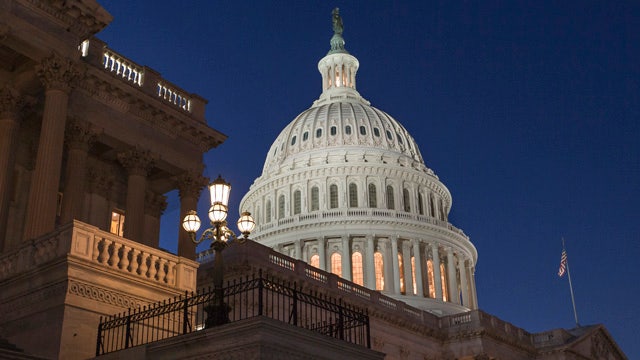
x,y
345,188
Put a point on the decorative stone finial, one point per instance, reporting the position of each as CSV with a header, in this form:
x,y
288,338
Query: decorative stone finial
x,y
337,41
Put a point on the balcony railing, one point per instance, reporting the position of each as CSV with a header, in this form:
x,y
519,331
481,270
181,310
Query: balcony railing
x,y
245,298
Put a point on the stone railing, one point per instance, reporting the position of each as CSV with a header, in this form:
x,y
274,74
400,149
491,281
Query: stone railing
x,y
96,53
102,249
478,319
358,214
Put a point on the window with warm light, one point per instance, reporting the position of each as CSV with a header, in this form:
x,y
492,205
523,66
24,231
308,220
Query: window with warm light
x,y
356,268
117,222
373,196
443,280
336,264
432,279
403,289
315,198
315,261
378,264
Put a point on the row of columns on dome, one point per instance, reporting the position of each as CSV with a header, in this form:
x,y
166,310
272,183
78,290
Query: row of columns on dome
x,y
50,176
394,265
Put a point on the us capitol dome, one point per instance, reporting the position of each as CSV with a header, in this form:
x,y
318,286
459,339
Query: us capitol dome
x,y
345,188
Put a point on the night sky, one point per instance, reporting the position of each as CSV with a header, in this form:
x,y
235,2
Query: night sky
x,y
527,111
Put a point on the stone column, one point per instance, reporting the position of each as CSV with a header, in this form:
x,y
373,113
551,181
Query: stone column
x,y
58,75
464,286
10,105
370,280
154,207
322,253
418,265
437,277
100,183
394,265
408,273
78,138
452,285
346,258
472,285
190,185
137,162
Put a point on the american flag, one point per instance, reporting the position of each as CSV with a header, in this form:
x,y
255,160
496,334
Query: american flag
x,y
563,263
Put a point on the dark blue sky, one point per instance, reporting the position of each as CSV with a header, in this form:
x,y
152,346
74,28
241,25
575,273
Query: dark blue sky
x,y
528,111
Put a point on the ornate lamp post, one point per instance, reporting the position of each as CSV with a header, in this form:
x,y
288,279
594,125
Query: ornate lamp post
x,y
220,235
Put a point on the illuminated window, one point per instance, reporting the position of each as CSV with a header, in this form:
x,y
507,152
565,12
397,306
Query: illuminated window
x,y
403,289
443,280
268,211
373,197
431,277
379,269
333,196
315,198
315,261
117,222
347,130
353,195
336,264
356,267
420,204
405,200
413,275
281,207
297,206
390,201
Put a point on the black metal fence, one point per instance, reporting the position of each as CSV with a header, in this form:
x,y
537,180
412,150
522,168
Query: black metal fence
x,y
257,295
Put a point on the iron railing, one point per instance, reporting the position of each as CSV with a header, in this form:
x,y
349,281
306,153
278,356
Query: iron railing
x,y
257,295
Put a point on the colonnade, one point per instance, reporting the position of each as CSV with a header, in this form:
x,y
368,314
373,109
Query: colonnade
x,y
406,267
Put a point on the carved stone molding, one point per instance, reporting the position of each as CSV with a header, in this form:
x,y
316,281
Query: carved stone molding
x,y
155,203
80,17
104,295
137,161
79,135
11,103
57,72
191,183
100,180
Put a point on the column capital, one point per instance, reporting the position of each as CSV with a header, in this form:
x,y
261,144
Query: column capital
x,y
57,72
155,203
190,183
100,180
137,161
11,102
79,135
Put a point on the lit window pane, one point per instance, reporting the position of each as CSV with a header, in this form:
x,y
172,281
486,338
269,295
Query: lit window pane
x,y
356,266
379,268
315,261
336,264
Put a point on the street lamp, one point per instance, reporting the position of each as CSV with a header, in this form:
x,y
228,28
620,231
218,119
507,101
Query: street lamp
x,y
220,235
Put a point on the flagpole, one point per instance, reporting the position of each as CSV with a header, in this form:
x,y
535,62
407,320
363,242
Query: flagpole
x,y
573,301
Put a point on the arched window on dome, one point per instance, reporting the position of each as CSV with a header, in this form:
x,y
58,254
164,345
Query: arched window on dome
x,y
318,133
315,198
293,140
376,132
441,210
336,264
347,130
333,196
399,138
305,136
443,281
420,204
356,268
267,211
431,278
432,205
315,261
353,195
389,136
333,131
413,276
403,288
297,202
391,204
363,130
373,196
378,263
406,200
281,207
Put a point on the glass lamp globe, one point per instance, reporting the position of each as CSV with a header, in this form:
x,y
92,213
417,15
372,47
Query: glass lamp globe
x,y
246,224
191,222
218,212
